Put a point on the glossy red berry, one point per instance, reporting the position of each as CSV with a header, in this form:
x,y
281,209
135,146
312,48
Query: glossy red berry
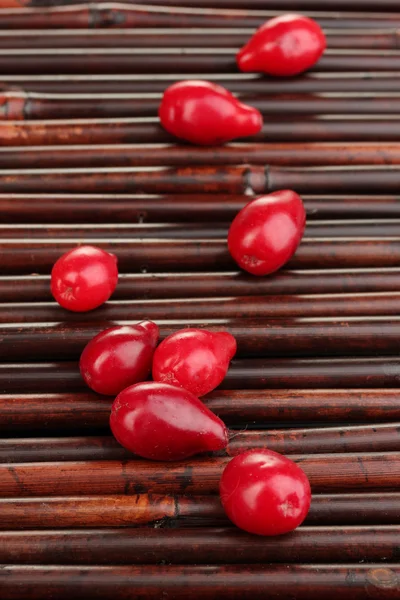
x,y
206,114
284,46
84,278
265,234
119,357
195,359
265,493
163,422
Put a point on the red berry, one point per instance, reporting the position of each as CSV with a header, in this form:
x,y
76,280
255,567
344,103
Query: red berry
x,y
206,114
195,359
285,46
163,422
265,493
265,234
118,357
84,278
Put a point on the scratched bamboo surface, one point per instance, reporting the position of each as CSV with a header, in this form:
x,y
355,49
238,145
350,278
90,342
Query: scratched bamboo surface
x,y
84,160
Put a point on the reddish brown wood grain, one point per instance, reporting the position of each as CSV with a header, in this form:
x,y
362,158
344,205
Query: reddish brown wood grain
x,y
199,546
142,15
148,130
175,38
241,307
343,5
297,337
329,440
84,411
136,155
246,374
307,582
35,288
247,83
175,208
346,228
159,60
24,257
326,472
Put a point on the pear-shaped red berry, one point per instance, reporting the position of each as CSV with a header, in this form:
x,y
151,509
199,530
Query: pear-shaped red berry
x,y
118,357
265,234
163,422
284,46
207,114
195,359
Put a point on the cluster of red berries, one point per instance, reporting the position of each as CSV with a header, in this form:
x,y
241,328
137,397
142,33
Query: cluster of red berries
x,y
164,419
204,113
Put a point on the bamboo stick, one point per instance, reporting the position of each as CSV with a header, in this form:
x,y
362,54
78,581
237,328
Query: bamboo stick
x,y
199,254
378,228
29,106
255,374
199,546
307,582
138,155
129,15
35,288
240,83
325,440
178,38
148,130
70,412
299,337
326,472
159,60
241,307
198,180
179,208
343,5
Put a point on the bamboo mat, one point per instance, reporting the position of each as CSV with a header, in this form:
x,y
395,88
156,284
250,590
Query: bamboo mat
x,y
83,159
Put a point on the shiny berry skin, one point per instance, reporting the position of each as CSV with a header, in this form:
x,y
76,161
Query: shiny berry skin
x,y
119,357
265,493
283,46
265,234
195,359
207,114
162,422
84,278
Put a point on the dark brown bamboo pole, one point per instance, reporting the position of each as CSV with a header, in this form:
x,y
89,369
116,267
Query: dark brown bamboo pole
x,y
343,5
325,440
124,16
326,472
340,472
31,106
170,285
255,374
35,288
240,83
316,337
178,38
198,546
138,155
137,60
126,131
24,412
378,228
240,307
179,208
307,582
214,179
19,257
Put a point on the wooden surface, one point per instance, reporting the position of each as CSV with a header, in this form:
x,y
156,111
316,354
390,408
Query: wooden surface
x,y
317,374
